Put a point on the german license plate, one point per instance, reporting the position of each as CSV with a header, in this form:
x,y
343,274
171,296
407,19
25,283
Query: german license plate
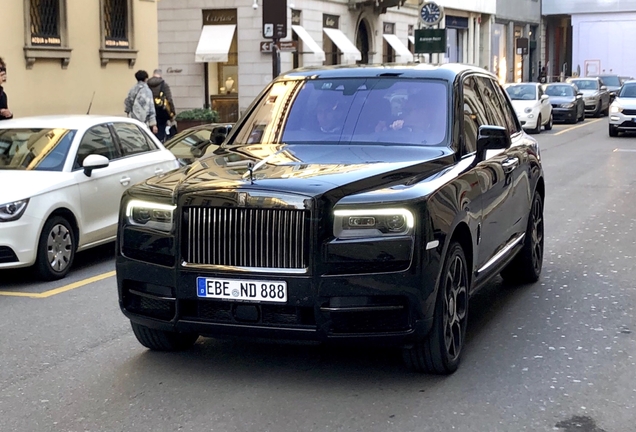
x,y
242,290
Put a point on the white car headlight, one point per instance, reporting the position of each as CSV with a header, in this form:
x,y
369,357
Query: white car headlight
x,y
152,215
528,110
13,211
372,223
615,109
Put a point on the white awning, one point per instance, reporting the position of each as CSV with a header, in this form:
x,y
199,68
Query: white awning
x,y
400,49
349,50
412,39
319,54
214,43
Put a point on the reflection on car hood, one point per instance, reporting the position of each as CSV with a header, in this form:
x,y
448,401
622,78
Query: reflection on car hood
x,y
309,170
27,184
520,105
629,103
588,93
556,100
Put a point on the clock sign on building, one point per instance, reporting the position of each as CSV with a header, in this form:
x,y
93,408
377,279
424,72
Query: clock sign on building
x,y
431,13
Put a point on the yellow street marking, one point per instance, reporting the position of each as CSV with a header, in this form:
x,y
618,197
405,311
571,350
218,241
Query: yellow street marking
x,y
576,127
59,290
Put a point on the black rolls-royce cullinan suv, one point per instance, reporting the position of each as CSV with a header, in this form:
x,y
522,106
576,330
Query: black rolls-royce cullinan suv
x,y
348,204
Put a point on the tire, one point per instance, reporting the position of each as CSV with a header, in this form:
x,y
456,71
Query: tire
x,y
526,266
606,111
613,132
599,111
160,340
582,115
56,249
537,129
548,125
440,351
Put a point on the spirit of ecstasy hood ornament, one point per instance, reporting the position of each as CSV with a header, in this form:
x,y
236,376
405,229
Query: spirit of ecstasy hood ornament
x,y
250,168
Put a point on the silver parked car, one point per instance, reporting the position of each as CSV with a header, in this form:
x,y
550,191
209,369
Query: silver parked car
x,y
595,95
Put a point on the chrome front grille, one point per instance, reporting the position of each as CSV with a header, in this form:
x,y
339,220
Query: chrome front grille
x,y
246,237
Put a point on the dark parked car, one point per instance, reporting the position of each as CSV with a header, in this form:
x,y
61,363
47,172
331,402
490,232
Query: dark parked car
x,y
193,142
613,84
358,204
567,102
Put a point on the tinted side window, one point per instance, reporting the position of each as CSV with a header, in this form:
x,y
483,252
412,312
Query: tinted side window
x,y
132,139
493,105
97,140
507,110
474,111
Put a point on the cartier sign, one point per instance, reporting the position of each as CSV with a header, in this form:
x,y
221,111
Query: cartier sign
x,y
330,21
219,16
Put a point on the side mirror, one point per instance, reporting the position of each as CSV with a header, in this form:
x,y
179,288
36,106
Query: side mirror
x,y
545,97
491,138
603,88
93,162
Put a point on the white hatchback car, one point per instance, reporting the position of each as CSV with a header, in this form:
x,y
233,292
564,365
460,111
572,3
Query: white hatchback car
x,y
532,106
623,110
63,178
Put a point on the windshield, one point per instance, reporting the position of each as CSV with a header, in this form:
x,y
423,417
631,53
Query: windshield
x,y
612,81
189,144
586,84
522,92
559,90
628,91
34,149
390,111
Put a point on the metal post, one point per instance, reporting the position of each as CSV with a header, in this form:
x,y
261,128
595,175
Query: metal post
x,y
206,85
275,58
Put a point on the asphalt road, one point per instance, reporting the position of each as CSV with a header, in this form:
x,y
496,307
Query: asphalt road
x,y
556,355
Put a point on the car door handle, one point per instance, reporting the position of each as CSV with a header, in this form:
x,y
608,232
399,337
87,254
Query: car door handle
x,y
510,164
124,181
158,170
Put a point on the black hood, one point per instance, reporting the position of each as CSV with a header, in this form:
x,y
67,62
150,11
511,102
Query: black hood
x,y
155,82
309,170
556,100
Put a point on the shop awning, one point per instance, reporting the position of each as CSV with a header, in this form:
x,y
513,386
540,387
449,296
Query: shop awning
x,y
349,50
214,43
412,39
309,42
400,49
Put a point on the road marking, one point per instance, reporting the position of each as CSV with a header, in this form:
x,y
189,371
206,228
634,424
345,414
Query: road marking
x,y
624,150
59,290
576,127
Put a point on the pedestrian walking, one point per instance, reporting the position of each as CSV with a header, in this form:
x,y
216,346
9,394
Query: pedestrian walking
x,y
5,113
139,103
164,106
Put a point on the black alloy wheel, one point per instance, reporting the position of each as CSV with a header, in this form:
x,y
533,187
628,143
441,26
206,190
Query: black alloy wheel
x,y
527,265
537,129
440,352
549,124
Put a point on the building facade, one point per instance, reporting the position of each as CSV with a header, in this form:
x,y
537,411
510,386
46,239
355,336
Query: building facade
x,y
588,37
214,52
514,20
61,54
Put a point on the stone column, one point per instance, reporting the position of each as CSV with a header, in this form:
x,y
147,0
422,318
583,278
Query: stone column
x,y
471,40
477,60
510,51
525,74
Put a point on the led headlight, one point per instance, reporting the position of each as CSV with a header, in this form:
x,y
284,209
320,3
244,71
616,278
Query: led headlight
x,y
13,210
372,223
528,110
151,215
566,105
615,109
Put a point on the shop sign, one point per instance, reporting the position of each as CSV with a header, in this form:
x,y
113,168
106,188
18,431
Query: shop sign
x,y
219,16
430,41
330,21
522,46
295,18
457,22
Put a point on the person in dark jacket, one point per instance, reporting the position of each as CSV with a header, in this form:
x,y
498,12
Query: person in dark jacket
x,y
166,112
5,113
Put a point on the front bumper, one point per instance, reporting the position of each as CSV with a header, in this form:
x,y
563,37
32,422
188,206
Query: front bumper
x,y
528,121
592,106
18,242
622,122
392,308
564,114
